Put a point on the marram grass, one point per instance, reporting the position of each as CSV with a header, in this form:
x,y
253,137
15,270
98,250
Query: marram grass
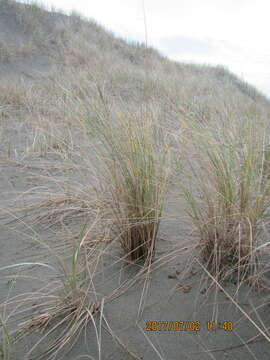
x,y
135,159
229,195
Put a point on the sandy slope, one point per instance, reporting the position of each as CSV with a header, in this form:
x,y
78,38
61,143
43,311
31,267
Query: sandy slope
x,y
175,288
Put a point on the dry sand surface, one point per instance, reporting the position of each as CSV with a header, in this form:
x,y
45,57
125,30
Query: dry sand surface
x,y
47,174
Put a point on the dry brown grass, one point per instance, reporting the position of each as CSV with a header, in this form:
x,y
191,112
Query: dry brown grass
x,y
127,117
133,152
229,197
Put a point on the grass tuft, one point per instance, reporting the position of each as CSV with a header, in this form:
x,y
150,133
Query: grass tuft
x,y
229,196
134,155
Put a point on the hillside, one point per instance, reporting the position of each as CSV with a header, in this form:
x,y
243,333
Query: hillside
x,y
134,196
34,40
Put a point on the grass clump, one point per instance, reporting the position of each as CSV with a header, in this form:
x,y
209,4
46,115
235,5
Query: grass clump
x,y
132,150
59,309
140,183
229,195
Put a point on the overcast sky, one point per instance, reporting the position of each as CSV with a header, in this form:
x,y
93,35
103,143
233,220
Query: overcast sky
x,y
233,33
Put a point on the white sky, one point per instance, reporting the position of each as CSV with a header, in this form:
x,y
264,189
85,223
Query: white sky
x,y
233,33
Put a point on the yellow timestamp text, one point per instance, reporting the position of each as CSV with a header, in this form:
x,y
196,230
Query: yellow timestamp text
x,y
188,325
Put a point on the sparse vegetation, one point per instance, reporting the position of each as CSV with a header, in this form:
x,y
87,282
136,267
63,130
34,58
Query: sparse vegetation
x,y
28,16
99,139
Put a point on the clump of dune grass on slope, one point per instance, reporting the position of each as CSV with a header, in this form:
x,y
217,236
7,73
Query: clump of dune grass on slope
x,y
132,151
61,308
229,196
